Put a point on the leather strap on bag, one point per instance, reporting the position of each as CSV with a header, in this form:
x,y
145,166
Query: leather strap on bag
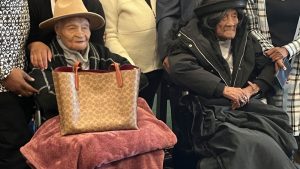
x,y
76,66
118,74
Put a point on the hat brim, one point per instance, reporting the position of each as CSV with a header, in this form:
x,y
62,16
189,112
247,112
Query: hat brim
x,y
96,21
220,6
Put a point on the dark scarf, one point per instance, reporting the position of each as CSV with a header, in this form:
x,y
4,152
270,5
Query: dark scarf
x,y
59,59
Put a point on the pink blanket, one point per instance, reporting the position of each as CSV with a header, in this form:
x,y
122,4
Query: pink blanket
x,y
49,150
150,160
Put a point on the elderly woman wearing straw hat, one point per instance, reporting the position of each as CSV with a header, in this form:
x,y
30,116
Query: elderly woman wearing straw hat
x,y
72,24
41,10
223,67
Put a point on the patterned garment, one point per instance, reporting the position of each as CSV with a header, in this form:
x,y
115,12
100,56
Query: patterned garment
x,y
259,27
14,29
289,99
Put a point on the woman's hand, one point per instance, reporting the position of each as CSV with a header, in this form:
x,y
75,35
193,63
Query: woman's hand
x,y
166,64
237,96
40,54
251,90
277,55
17,82
279,64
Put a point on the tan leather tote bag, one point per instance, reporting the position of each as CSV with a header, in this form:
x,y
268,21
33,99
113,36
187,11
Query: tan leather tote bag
x,y
96,100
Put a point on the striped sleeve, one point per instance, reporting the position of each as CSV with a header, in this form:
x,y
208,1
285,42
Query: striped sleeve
x,y
293,47
258,23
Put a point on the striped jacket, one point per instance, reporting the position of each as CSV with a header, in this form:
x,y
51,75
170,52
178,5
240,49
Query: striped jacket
x,y
289,98
256,11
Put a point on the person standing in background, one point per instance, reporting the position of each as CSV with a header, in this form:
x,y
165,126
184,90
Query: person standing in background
x,y
274,24
15,108
171,13
41,10
131,32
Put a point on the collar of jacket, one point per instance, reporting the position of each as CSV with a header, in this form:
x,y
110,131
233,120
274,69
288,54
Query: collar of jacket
x,y
60,60
204,46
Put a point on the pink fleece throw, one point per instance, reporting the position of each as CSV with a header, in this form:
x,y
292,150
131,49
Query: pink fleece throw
x,y
48,149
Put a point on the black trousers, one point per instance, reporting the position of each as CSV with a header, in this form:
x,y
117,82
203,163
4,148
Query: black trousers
x,y
148,93
15,113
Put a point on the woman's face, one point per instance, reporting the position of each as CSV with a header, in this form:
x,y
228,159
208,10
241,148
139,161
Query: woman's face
x,y
74,33
226,28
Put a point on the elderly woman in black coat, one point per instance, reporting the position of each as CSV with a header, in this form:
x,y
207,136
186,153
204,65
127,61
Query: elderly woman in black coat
x,y
224,70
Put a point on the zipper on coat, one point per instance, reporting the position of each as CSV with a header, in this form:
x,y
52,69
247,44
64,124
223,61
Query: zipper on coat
x,y
204,56
239,66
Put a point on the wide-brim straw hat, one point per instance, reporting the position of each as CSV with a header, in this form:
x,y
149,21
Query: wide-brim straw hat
x,y
211,6
72,8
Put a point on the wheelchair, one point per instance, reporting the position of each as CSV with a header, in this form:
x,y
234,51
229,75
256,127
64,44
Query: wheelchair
x,y
183,155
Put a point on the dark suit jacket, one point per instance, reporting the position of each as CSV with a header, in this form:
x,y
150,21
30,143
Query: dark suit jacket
x,y
40,10
170,12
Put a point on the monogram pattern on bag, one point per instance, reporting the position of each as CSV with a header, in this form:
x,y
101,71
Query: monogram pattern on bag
x,y
99,104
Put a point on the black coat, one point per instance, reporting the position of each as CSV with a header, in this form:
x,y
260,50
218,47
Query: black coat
x,y
40,10
210,131
197,64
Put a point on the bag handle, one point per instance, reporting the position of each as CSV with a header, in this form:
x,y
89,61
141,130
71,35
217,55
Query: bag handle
x,y
77,66
118,74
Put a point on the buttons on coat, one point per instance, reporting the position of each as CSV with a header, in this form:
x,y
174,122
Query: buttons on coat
x,y
190,45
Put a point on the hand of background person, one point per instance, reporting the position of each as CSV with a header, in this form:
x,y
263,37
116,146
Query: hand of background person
x,y
237,96
40,54
279,64
166,64
277,54
17,82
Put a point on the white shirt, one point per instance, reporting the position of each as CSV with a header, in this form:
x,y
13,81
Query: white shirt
x,y
225,47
